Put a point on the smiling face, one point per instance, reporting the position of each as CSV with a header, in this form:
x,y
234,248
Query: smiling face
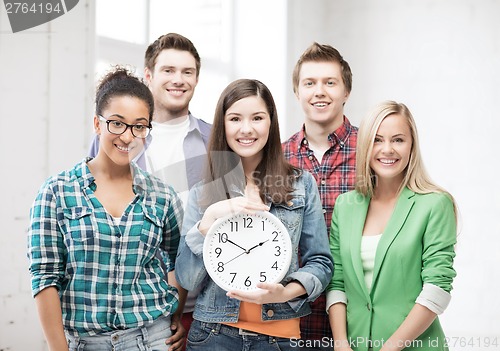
x,y
391,149
120,149
246,125
322,93
172,83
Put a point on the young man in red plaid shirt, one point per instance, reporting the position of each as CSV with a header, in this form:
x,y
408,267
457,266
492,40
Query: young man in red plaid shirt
x,y
325,146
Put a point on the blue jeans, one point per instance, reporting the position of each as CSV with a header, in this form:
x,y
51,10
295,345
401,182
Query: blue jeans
x,y
220,337
147,338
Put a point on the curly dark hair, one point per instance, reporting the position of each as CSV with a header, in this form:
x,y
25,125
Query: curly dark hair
x,y
121,82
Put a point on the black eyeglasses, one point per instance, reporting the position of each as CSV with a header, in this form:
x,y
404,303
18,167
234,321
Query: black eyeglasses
x,y
118,127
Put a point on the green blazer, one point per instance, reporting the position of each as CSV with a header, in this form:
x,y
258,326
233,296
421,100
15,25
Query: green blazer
x,y
416,247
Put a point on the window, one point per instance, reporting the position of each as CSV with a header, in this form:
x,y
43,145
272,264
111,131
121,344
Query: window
x,y
235,39
205,22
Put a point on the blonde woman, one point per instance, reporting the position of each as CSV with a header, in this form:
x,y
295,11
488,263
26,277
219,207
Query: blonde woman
x,y
392,241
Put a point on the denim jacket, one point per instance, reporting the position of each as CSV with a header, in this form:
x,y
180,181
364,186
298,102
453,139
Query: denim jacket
x,y
302,216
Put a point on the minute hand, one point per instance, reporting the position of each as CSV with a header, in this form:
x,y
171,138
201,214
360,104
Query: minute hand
x,y
259,244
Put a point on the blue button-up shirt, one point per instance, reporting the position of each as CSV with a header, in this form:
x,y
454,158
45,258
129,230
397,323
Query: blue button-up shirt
x,y
107,274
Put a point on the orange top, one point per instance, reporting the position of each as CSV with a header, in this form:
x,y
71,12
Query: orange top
x,y
250,319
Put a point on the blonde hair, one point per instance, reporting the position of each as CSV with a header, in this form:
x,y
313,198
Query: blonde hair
x,y
416,177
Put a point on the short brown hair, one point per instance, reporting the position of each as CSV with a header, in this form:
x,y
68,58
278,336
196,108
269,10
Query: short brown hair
x,y
322,53
170,41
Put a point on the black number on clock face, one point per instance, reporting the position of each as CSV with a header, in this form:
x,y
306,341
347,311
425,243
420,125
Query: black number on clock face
x,y
275,233
275,265
248,282
234,226
220,267
222,237
234,276
263,277
278,251
218,251
247,222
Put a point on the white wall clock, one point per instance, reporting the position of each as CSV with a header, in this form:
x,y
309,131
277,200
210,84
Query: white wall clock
x,y
242,250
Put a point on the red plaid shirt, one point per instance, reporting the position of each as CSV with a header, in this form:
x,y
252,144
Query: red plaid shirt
x,y
334,176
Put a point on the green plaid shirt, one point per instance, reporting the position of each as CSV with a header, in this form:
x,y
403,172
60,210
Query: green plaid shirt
x,y
108,275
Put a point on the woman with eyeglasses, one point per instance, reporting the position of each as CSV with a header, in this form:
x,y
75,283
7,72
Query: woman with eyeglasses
x,y
95,236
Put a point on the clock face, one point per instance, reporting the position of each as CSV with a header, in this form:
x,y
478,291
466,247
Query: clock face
x,y
242,250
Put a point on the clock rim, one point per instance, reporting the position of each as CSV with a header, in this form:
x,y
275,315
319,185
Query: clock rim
x,y
211,231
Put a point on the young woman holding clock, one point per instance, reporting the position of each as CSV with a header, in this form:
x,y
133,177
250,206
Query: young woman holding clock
x,y
246,176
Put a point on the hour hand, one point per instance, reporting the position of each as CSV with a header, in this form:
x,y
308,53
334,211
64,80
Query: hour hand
x,y
259,244
232,242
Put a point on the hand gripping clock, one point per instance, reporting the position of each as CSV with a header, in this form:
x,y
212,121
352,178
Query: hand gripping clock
x,y
242,250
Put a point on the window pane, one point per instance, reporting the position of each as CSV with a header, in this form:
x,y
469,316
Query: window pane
x,y
205,22
122,20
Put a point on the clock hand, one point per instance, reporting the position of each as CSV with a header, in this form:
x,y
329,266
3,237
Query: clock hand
x,y
232,242
259,244
246,251
232,259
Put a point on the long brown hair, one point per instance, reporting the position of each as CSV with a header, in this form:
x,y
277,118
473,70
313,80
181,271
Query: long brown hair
x,y
274,175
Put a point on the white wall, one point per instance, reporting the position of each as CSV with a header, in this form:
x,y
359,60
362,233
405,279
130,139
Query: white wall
x,y
307,22
259,50
46,89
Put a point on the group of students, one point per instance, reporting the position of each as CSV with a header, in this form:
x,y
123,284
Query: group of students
x,y
115,244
